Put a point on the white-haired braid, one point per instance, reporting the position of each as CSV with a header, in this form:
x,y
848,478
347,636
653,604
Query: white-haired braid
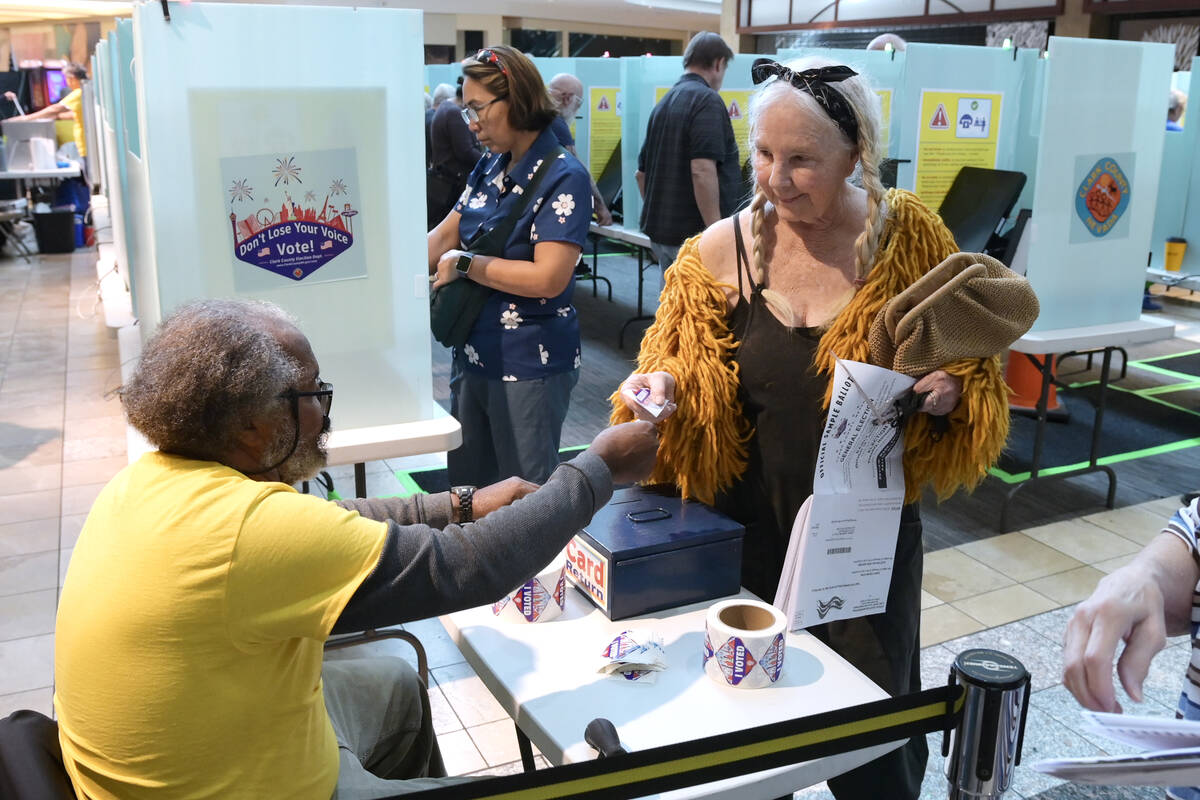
x,y
867,243
775,301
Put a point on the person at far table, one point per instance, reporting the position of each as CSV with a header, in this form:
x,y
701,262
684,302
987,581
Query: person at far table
x,y
69,107
190,632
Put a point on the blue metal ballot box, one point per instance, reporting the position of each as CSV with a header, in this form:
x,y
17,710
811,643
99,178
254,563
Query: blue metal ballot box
x,y
649,549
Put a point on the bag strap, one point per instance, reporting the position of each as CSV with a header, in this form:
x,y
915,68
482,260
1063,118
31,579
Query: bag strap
x,y
503,231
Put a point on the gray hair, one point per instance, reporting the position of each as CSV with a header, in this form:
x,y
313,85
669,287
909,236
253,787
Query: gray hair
x,y
1176,104
442,92
865,104
428,101
211,368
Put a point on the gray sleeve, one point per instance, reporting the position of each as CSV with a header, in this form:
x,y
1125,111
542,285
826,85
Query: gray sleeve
x,y
432,509
424,571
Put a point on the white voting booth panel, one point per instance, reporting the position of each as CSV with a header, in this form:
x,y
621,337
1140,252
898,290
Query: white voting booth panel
x,y
283,147
1097,180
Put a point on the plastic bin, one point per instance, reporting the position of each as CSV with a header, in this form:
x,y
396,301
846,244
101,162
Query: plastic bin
x,y
55,231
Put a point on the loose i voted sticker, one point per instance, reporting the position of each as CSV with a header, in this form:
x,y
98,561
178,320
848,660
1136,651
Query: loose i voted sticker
x,y
642,398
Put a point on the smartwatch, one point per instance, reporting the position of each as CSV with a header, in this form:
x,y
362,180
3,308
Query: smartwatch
x,y
465,495
463,265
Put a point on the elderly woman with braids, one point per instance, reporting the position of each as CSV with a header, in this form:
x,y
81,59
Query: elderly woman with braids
x,y
743,347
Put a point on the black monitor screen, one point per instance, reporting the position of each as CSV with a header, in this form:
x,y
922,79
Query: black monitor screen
x,y
609,182
979,200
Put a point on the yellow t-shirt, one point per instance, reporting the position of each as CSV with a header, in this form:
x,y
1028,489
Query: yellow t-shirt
x,y
190,629
74,101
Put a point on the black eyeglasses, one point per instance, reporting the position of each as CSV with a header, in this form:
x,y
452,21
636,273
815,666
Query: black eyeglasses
x,y
814,82
324,393
489,57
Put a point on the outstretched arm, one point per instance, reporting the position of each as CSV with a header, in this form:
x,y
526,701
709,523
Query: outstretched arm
x,y
1140,604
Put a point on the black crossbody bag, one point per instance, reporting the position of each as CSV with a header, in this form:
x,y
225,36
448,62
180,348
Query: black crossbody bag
x,y
454,307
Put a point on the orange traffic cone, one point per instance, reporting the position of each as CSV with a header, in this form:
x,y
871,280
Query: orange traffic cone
x,y
1025,384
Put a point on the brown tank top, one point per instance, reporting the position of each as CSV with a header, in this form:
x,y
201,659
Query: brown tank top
x,y
782,398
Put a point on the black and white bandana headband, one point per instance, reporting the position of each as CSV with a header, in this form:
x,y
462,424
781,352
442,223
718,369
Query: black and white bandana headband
x,y
814,82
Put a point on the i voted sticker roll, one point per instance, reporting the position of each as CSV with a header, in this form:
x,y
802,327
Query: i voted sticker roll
x,y
537,600
744,643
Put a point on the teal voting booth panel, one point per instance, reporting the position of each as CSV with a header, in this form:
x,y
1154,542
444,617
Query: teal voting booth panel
x,y
111,134
1029,122
139,234
277,177
1174,182
1097,179
441,73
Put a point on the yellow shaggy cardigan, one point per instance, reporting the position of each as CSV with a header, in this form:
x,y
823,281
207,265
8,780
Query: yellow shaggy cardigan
x,y
703,445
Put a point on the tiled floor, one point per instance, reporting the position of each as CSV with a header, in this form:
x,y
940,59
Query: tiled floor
x,y
62,436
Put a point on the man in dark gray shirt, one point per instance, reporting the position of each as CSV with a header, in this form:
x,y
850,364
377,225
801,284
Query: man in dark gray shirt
x,y
688,170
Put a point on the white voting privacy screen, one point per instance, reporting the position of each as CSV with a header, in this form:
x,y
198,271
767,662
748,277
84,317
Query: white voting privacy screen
x,y
284,152
1097,179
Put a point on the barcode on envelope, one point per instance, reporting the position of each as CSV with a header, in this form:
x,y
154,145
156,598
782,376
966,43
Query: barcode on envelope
x,y
837,551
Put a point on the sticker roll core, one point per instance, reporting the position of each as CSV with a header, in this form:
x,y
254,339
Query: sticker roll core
x,y
744,643
539,599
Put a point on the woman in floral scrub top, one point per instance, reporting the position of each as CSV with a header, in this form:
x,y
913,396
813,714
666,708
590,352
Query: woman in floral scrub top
x,y
511,382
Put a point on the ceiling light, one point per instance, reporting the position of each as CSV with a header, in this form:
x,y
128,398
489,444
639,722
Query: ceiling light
x,y
691,6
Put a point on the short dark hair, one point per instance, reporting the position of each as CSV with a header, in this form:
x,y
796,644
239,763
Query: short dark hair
x,y
515,78
705,49
211,368
76,71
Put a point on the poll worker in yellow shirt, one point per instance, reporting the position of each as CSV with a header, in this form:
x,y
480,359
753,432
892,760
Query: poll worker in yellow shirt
x,y
188,645
69,107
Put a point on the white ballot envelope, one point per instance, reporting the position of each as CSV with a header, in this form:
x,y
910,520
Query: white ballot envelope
x,y
843,542
1175,761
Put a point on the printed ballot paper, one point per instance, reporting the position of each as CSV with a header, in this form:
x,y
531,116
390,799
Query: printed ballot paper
x,y
843,543
1176,762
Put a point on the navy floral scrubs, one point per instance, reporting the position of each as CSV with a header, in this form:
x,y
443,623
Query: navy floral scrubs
x,y
523,338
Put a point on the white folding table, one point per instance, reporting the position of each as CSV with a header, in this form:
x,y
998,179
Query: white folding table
x,y
1089,340
544,675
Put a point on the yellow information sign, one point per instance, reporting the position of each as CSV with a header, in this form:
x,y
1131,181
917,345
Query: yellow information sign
x,y
737,105
604,126
885,119
958,129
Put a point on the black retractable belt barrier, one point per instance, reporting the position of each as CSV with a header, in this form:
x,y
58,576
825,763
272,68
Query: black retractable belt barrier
x,y
728,755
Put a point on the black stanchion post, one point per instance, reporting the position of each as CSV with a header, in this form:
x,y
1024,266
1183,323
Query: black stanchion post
x,y
982,751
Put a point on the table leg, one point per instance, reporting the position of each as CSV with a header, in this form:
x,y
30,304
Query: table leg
x,y
1093,465
1097,424
641,314
360,479
1039,436
526,748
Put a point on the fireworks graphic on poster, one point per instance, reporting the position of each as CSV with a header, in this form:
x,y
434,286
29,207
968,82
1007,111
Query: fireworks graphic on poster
x,y
286,170
241,190
295,234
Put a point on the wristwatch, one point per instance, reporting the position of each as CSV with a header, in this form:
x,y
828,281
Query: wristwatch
x,y
465,496
463,265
